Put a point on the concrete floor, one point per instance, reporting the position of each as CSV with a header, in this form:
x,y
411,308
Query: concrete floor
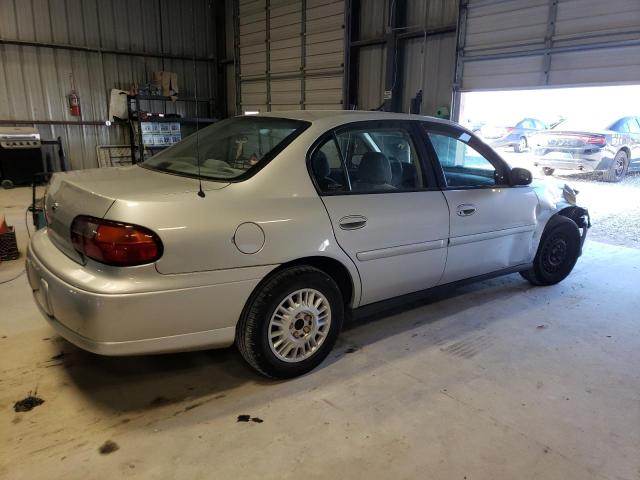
x,y
498,380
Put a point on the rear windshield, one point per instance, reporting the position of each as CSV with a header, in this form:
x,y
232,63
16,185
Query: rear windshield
x,y
229,149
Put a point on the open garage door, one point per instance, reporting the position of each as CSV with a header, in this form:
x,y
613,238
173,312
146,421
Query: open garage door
x,y
523,44
291,54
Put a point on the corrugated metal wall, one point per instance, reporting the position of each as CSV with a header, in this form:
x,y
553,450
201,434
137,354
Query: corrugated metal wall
x,y
427,61
291,54
34,81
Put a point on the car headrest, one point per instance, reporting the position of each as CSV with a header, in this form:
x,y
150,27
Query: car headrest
x,y
320,165
374,168
396,171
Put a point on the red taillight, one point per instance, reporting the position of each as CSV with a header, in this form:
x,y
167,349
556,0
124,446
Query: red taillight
x,y
595,140
510,129
114,243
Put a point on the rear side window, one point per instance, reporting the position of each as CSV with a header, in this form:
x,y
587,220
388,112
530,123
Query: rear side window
x,y
621,126
327,168
367,160
634,126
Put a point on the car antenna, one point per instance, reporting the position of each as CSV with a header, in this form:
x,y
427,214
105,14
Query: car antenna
x,y
201,193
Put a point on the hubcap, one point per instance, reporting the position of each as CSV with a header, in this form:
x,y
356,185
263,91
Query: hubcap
x,y
299,325
554,254
619,166
523,144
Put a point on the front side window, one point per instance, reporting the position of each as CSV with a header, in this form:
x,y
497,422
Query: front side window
x,y
372,160
462,165
229,149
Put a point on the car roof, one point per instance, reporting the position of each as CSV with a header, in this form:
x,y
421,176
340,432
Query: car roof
x,y
329,118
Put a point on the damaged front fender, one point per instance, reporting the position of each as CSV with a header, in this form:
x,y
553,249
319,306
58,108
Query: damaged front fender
x,y
559,199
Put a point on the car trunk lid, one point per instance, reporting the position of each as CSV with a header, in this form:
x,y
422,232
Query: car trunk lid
x,y
569,139
93,192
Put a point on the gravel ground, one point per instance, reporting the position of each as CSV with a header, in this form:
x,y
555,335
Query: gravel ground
x,y
614,207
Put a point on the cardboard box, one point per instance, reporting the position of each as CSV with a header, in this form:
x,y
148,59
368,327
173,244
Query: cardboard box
x,y
165,128
175,128
168,82
147,127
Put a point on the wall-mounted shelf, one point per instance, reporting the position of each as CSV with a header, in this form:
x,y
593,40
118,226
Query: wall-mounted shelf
x,y
138,146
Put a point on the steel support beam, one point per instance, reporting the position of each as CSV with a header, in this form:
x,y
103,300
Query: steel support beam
x,y
459,66
352,53
393,74
548,38
236,55
80,48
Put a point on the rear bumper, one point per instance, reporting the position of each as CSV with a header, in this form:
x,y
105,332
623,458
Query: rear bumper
x,y
156,321
578,161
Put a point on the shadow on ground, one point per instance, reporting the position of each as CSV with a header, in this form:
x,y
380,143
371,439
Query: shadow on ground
x,y
125,384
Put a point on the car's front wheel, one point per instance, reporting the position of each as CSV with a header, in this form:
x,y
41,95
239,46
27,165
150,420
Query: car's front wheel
x,y
557,253
291,323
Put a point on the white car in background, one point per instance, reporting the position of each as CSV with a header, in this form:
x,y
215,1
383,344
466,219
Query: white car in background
x,y
265,230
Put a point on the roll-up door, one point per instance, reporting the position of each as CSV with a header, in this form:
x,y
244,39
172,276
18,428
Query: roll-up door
x,y
521,44
291,54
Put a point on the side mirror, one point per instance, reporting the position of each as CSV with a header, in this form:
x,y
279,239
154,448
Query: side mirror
x,y
519,176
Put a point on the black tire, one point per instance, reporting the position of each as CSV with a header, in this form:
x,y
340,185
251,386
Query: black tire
x,y
548,171
557,253
252,332
618,168
7,184
521,146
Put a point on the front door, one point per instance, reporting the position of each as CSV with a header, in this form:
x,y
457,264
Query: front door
x,y
384,216
492,223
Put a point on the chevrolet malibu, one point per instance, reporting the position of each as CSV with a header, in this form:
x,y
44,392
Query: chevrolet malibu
x,y
266,231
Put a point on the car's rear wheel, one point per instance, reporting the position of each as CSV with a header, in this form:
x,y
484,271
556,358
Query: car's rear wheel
x,y
521,146
548,171
618,168
557,253
291,323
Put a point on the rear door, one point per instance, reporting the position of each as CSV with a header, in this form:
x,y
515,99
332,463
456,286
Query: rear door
x,y
387,212
492,223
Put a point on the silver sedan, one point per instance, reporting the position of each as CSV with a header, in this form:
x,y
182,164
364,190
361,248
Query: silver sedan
x,y
264,231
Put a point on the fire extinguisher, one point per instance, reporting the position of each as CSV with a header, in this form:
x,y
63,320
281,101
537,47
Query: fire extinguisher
x,y
74,99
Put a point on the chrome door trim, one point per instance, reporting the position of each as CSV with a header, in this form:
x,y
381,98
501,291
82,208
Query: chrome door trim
x,y
478,237
400,250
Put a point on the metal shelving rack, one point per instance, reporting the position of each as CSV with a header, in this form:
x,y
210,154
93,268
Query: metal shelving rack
x,y
135,127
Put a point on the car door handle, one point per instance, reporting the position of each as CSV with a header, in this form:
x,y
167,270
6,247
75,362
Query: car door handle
x,y
465,210
352,222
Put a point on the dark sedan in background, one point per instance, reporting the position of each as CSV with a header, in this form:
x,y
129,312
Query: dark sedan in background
x,y
611,147
516,136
